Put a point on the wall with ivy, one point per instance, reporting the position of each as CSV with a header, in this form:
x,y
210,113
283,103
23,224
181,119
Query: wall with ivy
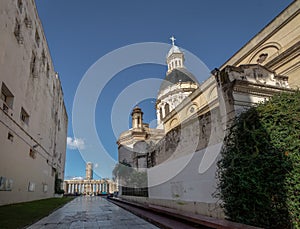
x,y
259,171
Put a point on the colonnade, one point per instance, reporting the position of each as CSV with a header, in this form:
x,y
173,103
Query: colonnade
x,y
94,187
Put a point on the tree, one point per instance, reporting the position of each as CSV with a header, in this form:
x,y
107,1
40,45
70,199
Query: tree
x,y
259,171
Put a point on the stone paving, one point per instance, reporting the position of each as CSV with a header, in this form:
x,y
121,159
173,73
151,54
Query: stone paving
x,y
91,212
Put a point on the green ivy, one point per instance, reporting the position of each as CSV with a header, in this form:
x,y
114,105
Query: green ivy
x,y
259,170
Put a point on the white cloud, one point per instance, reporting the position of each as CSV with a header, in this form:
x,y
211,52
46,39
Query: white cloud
x,y
75,143
77,178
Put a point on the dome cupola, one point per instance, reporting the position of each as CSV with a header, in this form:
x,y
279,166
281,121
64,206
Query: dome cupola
x,y
178,84
175,57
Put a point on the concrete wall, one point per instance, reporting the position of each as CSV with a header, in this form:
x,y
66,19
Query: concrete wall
x,y
207,209
36,149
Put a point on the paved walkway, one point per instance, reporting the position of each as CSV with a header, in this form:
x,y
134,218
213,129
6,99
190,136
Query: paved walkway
x,y
91,212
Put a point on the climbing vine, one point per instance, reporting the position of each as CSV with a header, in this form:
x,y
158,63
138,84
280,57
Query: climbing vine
x,y
259,171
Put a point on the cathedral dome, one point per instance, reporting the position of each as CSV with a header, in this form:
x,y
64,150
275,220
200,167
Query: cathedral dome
x,y
181,75
178,84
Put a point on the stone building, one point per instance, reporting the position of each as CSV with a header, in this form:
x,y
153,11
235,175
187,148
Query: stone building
x,y
134,143
33,118
88,186
182,169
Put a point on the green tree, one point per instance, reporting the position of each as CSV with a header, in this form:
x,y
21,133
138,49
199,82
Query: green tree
x,y
259,171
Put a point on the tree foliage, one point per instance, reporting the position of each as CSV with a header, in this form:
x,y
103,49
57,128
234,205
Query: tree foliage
x,y
259,171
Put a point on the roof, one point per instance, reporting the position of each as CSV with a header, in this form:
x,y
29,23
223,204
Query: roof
x,y
177,75
174,49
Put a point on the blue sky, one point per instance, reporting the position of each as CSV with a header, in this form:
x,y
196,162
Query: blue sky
x,y
80,32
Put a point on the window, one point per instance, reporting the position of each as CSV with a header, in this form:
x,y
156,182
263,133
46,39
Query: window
x,y
31,187
45,188
33,65
167,109
32,153
20,5
48,70
160,113
192,109
28,22
43,57
24,116
5,184
7,97
17,32
37,38
58,125
10,137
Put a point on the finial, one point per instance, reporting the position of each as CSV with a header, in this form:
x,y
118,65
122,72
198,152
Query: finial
x,y
173,40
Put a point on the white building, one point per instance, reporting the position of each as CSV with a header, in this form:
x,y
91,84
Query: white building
x,y
89,186
33,118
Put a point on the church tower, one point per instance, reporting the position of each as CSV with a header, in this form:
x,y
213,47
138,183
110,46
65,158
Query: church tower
x,y
89,171
175,58
178,84
137,118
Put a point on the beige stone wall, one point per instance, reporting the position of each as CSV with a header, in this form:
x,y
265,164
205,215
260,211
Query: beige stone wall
x,y
201,101
36,149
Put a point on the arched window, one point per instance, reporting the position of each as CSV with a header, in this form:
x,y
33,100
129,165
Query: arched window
x,y
167,109
160,113
33,64
176,63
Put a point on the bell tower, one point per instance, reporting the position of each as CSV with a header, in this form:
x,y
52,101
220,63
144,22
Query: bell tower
x,y
137,118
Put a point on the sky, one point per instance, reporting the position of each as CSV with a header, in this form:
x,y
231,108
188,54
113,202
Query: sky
x,y
80,33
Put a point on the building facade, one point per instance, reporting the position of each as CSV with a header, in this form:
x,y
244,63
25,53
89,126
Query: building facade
x,y
33,118
182,171
88,186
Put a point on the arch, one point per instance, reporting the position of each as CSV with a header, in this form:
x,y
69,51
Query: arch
x,y
265,49
161,113
173,123
211,93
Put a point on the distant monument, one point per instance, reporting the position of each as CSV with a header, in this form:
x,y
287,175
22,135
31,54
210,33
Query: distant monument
x,y
89,171
88,186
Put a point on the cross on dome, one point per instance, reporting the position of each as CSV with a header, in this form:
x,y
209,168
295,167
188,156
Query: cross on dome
x,y
173,40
